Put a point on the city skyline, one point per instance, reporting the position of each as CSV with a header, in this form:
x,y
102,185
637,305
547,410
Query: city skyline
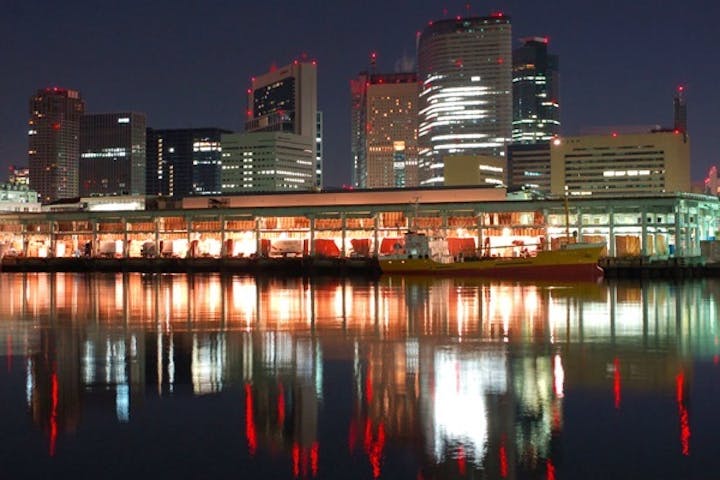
x,y
615,85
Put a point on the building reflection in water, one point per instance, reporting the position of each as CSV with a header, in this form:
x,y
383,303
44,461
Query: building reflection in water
x,y
469,374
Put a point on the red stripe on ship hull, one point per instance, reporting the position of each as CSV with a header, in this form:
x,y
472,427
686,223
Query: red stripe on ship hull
x,y
589,271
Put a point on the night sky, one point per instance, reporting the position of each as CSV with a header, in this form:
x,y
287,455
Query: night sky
x,y
188,63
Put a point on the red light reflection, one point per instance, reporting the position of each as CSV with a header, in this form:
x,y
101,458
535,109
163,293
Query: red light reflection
x,y
53,412
683,413
250,432
314,453
296,459
461,460
503,459
281,404
616,382
376,450
550,470
368,387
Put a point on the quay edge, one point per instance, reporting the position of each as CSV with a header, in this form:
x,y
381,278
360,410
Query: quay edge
x,y
306,266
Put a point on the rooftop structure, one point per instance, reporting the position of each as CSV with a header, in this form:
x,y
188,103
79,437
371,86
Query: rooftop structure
x,y
18,198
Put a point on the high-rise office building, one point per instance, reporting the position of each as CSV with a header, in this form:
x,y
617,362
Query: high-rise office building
x,y
182,162
536,107
112,154
267,162
620,164
285,100
465,103
384,129
281,148
54,143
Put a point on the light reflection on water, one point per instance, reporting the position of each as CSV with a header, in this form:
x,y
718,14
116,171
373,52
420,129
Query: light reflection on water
x,y
436,378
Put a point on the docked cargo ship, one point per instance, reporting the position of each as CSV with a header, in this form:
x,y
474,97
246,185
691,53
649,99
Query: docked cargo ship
x,y
571,261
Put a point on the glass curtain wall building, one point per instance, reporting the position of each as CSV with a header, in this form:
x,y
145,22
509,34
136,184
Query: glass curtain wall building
x,y
465,104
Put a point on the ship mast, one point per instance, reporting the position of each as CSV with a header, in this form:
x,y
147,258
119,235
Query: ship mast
x,y
567,218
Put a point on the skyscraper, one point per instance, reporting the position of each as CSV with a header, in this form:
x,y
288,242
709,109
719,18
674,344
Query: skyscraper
x,y
285,100
281,148
54,142
112,154
182,162
465,106
536,107
384,129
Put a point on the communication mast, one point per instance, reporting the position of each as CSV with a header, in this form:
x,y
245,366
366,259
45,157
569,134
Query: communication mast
x,y
680,110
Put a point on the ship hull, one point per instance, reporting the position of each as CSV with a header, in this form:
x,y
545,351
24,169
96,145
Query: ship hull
x,y
570,264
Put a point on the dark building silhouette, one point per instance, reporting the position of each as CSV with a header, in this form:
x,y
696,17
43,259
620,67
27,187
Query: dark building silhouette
x,y
112,154
536,107
182,162
529,167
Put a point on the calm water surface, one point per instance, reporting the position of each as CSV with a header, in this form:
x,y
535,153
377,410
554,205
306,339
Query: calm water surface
x,y
112,376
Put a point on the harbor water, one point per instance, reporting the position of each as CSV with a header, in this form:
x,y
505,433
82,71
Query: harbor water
x,y
111,375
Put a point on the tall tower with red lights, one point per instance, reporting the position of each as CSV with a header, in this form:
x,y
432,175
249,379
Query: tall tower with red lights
x,y
54,143
680,110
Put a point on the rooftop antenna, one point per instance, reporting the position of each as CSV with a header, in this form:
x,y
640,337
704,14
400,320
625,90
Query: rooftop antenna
x,y
468,7
680,111
373,62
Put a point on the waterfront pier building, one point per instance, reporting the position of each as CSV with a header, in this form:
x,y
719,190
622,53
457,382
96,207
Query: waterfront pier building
x,y
360,224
